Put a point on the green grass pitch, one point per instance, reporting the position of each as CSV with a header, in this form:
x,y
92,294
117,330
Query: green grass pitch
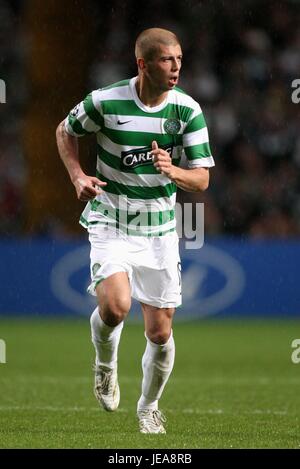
x,y
233,386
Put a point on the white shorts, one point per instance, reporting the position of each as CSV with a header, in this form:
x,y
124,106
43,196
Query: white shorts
x,y
152,264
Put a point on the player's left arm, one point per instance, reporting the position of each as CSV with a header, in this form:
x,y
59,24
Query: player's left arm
x,y
196,146
191,180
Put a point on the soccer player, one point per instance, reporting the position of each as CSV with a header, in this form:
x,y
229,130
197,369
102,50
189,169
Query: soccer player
x,y
144,126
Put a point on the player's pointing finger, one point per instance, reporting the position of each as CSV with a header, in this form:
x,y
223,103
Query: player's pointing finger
x,y
154,145
98,182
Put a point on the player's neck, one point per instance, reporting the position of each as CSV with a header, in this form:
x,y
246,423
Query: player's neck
x,y
148,95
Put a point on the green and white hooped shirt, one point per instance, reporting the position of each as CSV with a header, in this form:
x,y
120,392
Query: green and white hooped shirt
x,y
138,199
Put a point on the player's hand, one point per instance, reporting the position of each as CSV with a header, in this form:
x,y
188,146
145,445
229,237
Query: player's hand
x,y
88,187
162,160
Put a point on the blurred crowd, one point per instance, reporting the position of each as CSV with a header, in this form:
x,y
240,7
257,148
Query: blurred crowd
x,y
240,59
12,162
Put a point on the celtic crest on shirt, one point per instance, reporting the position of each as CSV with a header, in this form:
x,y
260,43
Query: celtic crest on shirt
x,y
172,126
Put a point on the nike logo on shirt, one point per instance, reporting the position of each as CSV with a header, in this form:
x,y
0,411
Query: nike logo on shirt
x,y
121,123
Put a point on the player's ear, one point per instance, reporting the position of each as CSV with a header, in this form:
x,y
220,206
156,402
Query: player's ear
x,y
141,63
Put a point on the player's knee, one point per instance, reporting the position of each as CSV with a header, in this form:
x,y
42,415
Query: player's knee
x,y
116,310
158,336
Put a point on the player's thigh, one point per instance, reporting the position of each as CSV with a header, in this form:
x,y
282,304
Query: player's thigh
x,y
158,322
114,295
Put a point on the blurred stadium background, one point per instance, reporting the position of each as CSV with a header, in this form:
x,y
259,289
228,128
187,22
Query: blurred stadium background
x,y
239,63
240,59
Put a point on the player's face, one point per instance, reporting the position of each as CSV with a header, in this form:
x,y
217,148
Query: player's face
x,y
163,70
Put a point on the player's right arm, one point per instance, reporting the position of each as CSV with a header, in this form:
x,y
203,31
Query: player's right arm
x,y
85,118
86,186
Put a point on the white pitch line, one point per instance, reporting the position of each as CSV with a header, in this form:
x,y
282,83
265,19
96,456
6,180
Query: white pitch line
x,y
125,379
54,409
122,410
221,411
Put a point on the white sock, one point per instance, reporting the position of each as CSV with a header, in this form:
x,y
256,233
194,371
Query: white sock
x,y
106,340
157,364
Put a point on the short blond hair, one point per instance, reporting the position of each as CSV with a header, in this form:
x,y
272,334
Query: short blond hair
x,y
148,41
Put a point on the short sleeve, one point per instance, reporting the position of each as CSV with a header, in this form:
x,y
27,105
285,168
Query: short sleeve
x,y
196,141
86,117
